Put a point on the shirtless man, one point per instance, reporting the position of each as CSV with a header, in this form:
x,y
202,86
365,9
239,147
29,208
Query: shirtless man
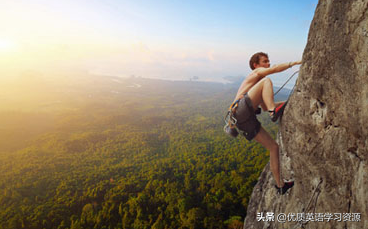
x,y
257,90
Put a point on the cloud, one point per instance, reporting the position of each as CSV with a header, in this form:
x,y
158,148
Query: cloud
x,y
140,47
210,55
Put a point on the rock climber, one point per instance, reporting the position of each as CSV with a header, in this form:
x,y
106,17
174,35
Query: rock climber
x,y
257,90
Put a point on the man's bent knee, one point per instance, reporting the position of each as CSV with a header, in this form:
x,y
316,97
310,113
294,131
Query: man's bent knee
x,y
267,80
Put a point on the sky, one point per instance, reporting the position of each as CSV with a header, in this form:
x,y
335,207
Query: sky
x,y
167,39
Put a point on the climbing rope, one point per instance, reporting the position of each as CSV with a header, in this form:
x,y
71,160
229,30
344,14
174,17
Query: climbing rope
x,y
301,224
286,83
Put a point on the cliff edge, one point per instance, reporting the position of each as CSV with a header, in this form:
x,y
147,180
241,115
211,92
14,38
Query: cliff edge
x,y
323,134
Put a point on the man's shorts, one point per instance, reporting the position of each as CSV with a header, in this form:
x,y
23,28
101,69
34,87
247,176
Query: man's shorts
x,y
246,118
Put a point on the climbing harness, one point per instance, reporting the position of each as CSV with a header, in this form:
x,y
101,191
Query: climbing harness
x,y
230,121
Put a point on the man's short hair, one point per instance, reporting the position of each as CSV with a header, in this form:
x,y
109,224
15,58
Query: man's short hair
x,y
255,59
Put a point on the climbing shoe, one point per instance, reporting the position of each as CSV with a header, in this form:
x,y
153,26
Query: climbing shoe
x,y
277,112
287,186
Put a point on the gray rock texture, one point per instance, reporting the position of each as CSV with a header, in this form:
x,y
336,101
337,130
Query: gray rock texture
x,y
323,134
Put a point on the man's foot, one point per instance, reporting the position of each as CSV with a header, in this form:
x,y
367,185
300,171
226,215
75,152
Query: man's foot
x,y
287,186
277,112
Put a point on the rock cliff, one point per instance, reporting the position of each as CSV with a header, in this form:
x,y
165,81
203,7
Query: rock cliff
x,y
324,131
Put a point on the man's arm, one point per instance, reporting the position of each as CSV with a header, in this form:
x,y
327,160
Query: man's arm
x,y
274,69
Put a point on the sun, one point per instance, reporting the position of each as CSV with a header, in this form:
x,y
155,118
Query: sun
x,y
6,45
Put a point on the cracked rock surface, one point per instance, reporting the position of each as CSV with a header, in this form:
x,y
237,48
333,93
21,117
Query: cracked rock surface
x,y
324,130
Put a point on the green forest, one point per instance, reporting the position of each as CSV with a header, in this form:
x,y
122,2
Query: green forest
x,y
107,152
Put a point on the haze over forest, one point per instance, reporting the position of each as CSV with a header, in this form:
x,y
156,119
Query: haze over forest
x,y
87,151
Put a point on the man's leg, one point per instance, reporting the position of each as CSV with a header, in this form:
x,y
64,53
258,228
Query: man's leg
x,y
262,93
265,139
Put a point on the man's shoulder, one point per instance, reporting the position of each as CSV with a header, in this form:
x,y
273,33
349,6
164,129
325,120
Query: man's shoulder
x,y
257,70
254,73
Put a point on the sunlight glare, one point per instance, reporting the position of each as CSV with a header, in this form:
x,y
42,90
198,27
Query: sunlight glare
x,y
6,45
